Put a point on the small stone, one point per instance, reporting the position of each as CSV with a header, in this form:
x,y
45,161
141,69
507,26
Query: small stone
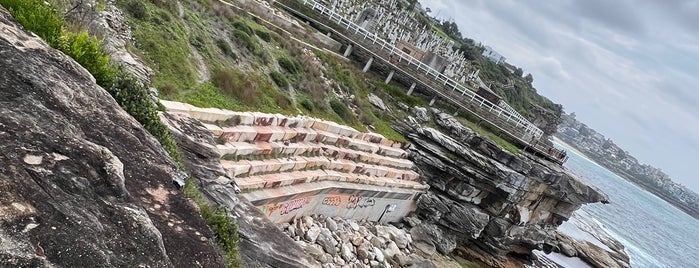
x,y
346,252
33,159
377,241
403,260
330,224
307,221
391,250
312,234
291,230
354,226
378,254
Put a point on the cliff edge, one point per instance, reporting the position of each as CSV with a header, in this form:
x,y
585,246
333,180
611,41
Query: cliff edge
x,y
485,199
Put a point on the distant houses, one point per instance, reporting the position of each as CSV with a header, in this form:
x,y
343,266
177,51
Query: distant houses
x,y
493,55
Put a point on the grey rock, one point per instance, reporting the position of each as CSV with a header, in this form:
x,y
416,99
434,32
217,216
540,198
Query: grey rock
x,y
330,224
411,221
363,253
354,226
420,113
327,242
391,250
403,260
378,254
376,101
312,234
346,252
377,242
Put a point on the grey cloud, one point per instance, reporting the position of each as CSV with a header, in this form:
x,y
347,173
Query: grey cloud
x,y
617,14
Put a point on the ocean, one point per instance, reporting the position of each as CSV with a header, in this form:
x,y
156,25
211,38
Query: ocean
x,y
655,233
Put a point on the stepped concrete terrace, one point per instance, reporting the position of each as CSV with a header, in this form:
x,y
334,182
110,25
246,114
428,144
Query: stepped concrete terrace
x,y
294,166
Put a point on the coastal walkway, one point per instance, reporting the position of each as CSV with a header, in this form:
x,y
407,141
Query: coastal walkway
x,y
398,65
295,166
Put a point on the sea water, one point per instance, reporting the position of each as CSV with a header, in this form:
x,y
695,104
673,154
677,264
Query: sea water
x,y
655,233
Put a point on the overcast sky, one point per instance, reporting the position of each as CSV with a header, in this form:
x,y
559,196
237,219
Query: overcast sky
x,y
628,68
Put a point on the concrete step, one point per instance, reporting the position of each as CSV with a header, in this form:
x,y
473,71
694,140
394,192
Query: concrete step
x,y
299,163
268,181
233,119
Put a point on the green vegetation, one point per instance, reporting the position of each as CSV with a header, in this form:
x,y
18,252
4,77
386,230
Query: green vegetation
x,y
279,79
223,225
489,132
41,19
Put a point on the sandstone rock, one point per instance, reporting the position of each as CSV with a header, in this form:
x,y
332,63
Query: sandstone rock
x,y
377,242
425,249
93,203
363,253
479,191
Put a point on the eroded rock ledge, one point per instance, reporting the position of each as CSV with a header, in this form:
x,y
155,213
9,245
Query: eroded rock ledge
x,y
488,199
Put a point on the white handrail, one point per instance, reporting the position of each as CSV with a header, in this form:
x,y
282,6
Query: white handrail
x,y
501,110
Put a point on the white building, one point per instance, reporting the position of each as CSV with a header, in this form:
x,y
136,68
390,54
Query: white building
x,y
493,55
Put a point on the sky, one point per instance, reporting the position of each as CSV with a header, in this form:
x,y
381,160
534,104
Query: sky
x,y
627,68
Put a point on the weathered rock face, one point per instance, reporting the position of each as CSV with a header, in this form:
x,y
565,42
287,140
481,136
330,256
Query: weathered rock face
x,y
82,183
546,120
485,196
262,244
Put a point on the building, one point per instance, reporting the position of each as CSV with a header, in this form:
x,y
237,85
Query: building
x,y
493,55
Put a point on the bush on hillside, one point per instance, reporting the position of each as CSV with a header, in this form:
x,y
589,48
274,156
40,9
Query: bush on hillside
x,y
37,17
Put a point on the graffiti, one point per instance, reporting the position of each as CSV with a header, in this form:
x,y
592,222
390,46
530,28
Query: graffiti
x,y
293,205
332,201
353,201
367,202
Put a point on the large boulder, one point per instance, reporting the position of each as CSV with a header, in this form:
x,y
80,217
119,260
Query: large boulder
x,y
83,183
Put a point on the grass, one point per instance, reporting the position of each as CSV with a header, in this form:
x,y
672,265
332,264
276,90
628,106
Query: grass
x,y
484,131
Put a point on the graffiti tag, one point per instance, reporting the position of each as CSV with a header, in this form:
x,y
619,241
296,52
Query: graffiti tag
x,y
332,201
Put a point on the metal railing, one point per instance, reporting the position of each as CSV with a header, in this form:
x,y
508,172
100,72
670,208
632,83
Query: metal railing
x,y
501,110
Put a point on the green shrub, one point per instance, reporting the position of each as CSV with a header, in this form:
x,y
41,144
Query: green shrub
x,y
242,26
247,41
137,9
283,101
307,104
86,51
264,35
400,95
235,84
37,17
225,227
279,79
290,65
340,109
225,48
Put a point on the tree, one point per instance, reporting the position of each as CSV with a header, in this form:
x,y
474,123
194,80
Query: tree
x,y
451,29
529,78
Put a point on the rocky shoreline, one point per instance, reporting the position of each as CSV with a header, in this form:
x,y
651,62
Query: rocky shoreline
x,y
337,242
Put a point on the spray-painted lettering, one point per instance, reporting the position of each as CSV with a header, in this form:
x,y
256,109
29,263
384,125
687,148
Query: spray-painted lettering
x,y
353,201
332,201
293,205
